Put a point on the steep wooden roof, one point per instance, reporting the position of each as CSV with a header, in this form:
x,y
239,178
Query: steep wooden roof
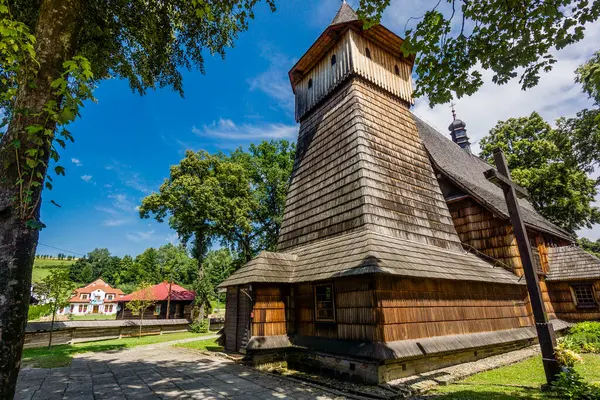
x,y
466,170
571,263
367,252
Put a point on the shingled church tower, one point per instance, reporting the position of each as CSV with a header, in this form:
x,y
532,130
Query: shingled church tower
x,y
360,163
370,273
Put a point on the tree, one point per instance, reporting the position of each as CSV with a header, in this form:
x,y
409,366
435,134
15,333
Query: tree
x,y
455,39
206,197
142,299
93,266
58,289
589,246
588,74
218,265
270,167
54,52
550,166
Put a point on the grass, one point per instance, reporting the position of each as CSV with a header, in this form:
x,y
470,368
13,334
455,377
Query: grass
x,y
43,267
61,355
522,380
208,344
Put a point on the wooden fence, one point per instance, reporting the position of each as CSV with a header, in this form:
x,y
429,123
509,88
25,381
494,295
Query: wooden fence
x,y
68,332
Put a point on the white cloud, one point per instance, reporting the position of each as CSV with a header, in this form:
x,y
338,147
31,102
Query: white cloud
x,y
140,236
128,177
227,129
274,80
122,202
77,162
86,178
173,238
115,222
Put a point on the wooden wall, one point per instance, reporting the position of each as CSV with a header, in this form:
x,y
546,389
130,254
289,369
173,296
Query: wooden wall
x,y
412,308
493,236
481,229
563,304
231,312
179,309
356,316
270,316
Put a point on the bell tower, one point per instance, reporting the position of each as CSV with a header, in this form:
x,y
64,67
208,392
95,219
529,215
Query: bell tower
x,y
360,163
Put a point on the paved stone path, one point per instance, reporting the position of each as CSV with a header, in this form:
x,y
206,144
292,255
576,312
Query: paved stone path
x,y
158,372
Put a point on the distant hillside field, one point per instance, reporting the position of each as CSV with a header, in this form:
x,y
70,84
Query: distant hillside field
x,y
43,267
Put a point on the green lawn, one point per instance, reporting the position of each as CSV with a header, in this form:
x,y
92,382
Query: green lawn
x,y
60,356
522,380
43,267
208,344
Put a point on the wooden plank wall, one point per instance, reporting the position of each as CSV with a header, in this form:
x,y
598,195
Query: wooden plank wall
x,y
230,328
356,316
270,317
564,306
412,308
244,306
481,229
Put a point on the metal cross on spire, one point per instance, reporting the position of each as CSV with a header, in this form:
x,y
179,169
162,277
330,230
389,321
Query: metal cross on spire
x,y
452,104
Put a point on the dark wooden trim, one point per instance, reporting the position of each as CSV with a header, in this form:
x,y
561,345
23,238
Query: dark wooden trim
x,y
317,319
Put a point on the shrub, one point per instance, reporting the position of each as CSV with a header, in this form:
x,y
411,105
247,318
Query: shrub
x,y
38,311
583,337
566,356
200,326
570,385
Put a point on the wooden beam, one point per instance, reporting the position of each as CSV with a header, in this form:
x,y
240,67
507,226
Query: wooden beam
x,y
544,329
500,180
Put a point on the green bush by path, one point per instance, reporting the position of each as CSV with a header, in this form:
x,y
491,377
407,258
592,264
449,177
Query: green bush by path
x,y
61,355
583,337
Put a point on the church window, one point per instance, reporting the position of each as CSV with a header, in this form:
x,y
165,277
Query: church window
x,y
310,83
584,296
324,303
333,60
368,52
396,70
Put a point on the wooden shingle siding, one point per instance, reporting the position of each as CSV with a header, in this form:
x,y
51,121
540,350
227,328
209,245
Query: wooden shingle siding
x,y
244,308
350,52
423,308
360,163
564,304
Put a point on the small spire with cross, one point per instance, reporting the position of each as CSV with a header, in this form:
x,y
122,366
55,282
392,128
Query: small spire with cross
x,y
452,104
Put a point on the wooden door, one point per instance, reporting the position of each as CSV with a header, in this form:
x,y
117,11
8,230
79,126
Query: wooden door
x,y
95,310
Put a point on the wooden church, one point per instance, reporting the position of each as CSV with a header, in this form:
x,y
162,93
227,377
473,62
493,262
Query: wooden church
x,y
395,255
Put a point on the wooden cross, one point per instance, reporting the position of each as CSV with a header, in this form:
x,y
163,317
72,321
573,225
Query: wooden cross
x,y
512,192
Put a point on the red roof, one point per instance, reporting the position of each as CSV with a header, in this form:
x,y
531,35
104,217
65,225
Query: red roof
x,y
97,284
161,292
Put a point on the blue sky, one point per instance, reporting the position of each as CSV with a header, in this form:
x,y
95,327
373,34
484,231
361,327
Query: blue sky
x,y
125,144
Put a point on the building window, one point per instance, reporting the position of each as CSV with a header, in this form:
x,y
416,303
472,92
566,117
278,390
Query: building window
x,y
109,297
85,308
80,308
396,70
584,296
84,297
368,52
157,310
324,303
108,308
333,60
310,83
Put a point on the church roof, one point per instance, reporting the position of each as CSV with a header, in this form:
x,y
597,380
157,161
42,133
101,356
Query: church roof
x,y
571,263
344,14
466,170
367,252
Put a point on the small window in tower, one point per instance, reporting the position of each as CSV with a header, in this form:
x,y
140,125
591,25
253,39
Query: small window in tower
x,y
368,52
310,83
396,70
584,296
333,60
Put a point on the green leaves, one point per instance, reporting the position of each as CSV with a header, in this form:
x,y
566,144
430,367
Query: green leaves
x,y
456,39
551,165
588,74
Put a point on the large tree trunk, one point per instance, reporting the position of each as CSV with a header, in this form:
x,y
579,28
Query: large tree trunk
x,y
56,32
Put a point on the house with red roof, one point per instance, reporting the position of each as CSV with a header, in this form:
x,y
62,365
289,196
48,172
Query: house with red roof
x,y
96,298
177,298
